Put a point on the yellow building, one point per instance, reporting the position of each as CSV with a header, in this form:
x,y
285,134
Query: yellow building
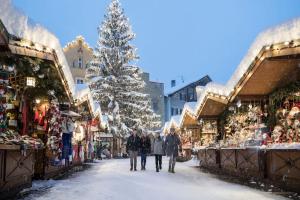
x,y
78,54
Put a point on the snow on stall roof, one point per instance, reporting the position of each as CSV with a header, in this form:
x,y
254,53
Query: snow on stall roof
x,y
83,90
166,127
175,121
282,33
18,24
285,32
188,107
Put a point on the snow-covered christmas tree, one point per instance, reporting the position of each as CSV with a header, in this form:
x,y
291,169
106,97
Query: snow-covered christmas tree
x,y
115,79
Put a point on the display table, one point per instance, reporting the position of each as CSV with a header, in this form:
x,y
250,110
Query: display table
x,y
212,158
283,168
228,160
201,156
250,162
16,169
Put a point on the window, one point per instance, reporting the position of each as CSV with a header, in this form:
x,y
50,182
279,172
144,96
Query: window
x,y
80,62
176,111
190,94
172,111
180,96
180,111
73,64
79,81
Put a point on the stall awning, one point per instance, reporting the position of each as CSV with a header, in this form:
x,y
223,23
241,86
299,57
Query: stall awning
x,y
188,120
276,67
212,106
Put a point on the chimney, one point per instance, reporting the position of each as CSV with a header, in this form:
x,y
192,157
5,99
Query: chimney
x,y
173,83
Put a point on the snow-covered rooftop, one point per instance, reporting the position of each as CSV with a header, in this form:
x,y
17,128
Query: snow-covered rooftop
x,y
180,84
78,39
20,25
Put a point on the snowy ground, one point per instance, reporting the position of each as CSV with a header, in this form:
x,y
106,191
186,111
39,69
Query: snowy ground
x,y
112,180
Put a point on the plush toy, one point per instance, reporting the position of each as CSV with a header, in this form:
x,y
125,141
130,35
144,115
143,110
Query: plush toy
x,y
277,134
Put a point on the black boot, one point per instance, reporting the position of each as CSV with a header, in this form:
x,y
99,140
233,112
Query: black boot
x,y
173,166
160,167
157,170
131,168
169,169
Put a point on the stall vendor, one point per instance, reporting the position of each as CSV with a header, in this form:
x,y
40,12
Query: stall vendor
x,y
67,128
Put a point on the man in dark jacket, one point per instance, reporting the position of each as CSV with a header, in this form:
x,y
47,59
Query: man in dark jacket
x,y
172,144
132,147
145,149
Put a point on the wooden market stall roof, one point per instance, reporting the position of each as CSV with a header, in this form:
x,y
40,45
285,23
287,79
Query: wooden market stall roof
x,y
188,119
212,106
276,66
10,44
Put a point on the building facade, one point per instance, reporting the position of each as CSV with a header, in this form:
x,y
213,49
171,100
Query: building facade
x,y
78,54
156,92
179,94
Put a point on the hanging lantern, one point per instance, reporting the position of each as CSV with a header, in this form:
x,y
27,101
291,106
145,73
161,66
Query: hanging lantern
x,y
30,81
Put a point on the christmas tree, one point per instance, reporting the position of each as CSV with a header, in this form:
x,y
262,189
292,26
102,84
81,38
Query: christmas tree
x,y
115,79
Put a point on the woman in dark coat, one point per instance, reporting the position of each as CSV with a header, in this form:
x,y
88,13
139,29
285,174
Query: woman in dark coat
x,y
145,148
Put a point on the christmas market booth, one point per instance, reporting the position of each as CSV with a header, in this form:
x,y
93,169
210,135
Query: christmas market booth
x,y
190,134
88,126
33,89
208,111
264,111
258,122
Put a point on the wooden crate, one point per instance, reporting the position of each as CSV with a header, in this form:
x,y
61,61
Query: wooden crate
x,y
283,168
17,170
250,162
212,158
228,161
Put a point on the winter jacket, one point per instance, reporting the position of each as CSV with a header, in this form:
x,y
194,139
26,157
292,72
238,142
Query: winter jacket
x,y
158,146
145,146
172,144
133,143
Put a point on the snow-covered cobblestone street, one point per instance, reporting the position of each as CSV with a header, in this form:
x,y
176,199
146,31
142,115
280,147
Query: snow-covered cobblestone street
x,y
112,180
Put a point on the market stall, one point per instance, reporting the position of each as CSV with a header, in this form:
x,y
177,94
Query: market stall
x,y
190,131
33,90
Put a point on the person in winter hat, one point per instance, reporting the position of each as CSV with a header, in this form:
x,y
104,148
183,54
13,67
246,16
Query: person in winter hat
x,y
172,144
158,151
132,147
144,149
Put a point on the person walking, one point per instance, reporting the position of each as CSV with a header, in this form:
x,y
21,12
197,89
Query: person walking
x,y
132,147
158,151
145,149
172,144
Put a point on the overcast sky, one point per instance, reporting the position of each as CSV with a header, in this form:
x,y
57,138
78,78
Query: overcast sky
x,y
175,38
